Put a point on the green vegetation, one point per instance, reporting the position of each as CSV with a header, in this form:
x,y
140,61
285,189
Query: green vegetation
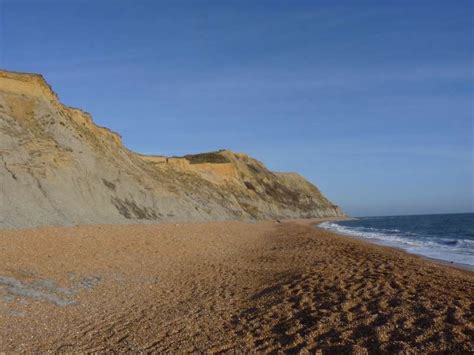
x,y
211,157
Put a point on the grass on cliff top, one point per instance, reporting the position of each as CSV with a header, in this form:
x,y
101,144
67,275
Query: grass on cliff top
x,y
211,157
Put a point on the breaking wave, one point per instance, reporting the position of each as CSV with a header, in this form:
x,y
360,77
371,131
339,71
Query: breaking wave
x,y
451,247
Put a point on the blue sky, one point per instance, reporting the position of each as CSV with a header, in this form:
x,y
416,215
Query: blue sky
x,y
370,100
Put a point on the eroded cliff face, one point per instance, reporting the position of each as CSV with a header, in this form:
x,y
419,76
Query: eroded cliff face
x,y
58,168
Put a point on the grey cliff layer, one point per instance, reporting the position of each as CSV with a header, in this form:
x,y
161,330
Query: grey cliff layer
x,y
58,168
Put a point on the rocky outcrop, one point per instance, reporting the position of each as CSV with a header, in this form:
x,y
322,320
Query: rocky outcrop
x,y
58,168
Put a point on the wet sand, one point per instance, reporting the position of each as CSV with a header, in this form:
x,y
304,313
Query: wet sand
x,y
225,286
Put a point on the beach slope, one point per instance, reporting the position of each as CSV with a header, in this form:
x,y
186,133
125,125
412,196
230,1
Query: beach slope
x,y
225,286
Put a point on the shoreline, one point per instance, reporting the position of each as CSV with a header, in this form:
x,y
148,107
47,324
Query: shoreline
x,y
224,287
381,243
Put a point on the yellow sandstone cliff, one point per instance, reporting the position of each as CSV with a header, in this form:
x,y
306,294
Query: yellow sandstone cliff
x,y
58,167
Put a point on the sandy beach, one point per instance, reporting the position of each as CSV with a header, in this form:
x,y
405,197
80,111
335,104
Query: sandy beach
x,y
225,286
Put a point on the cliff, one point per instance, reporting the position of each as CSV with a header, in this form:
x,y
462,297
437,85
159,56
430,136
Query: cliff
x,y
59,168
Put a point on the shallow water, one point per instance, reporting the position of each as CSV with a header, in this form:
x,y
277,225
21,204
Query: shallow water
x,y
447,237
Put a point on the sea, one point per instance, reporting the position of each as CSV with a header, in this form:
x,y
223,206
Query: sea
x,y
446,237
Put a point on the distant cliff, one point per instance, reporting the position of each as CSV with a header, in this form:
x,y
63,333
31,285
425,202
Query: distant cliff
x,y
58,168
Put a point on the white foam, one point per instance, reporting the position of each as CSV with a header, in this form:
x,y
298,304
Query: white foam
x,y
461,251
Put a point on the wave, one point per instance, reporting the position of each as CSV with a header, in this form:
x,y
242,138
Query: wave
x,y
458,250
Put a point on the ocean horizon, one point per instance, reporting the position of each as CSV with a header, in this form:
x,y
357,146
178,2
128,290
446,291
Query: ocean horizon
x,y
445,237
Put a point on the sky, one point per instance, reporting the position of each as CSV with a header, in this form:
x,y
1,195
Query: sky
x,y
372,101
